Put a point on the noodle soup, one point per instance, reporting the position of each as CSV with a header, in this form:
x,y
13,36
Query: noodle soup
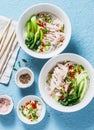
x,y
67,83
44,32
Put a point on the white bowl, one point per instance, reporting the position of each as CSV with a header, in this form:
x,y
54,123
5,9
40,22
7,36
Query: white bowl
x,y
49,65
11,104
23,101
44,7
21,71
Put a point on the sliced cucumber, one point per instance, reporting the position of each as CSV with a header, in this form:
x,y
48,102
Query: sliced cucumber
x,y
37,44
81,76
84,89
37,34
80,87
29,29
41,35
34,24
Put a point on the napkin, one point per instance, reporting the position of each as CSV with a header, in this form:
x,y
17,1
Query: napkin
x,y
5,76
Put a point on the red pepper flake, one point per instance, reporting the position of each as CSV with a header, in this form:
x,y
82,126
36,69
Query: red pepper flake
x,y
27,103
61,40
41,28
46,20
41,24
34,105
62,98
26,108
68,90
41,49
64,86
72,77
71,73
43,44
40,21
79,71
45,35
30,116
70,67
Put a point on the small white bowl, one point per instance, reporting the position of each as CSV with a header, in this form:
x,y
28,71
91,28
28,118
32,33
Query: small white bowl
x,y
11,104
43,7
23,101
49,65
21,71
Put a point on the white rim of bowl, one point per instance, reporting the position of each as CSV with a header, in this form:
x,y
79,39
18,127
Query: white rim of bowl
x,y
11,105
53,53
74,107
18,73
42,115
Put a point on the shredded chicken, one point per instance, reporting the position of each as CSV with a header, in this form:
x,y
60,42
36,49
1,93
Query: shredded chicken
x,y
55,35
59,74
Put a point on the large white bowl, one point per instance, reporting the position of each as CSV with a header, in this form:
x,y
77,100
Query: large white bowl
x,y
49,65
23,101
44,7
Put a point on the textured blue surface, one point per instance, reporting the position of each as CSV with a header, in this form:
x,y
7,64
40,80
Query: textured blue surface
x,y
81,14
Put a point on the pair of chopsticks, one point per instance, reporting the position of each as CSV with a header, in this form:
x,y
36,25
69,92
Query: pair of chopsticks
x,y
8,46
4,34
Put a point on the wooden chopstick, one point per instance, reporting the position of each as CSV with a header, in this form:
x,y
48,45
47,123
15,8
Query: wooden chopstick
x,y
12,37
8,60
5,29
4,34
5,47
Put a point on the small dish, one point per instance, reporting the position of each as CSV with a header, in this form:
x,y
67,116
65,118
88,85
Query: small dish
x,y
6,104
24,77
27,100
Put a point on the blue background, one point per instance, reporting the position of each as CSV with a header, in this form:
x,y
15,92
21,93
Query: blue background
x,y
81,14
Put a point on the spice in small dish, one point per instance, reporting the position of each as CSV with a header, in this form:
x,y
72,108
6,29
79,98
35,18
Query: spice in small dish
x,y
25,78
31,110
6,104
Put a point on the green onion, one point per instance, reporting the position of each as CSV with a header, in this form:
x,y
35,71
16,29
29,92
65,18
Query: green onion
x,y
14,69
24,60
19,64
48,78
62,29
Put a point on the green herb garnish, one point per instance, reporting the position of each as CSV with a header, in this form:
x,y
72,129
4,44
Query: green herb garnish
x,y
24,60
14,69
19,64
62,29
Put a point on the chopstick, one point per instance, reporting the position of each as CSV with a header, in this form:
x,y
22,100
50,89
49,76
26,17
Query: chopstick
x,y
5,47
8,60
10,41
4,34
